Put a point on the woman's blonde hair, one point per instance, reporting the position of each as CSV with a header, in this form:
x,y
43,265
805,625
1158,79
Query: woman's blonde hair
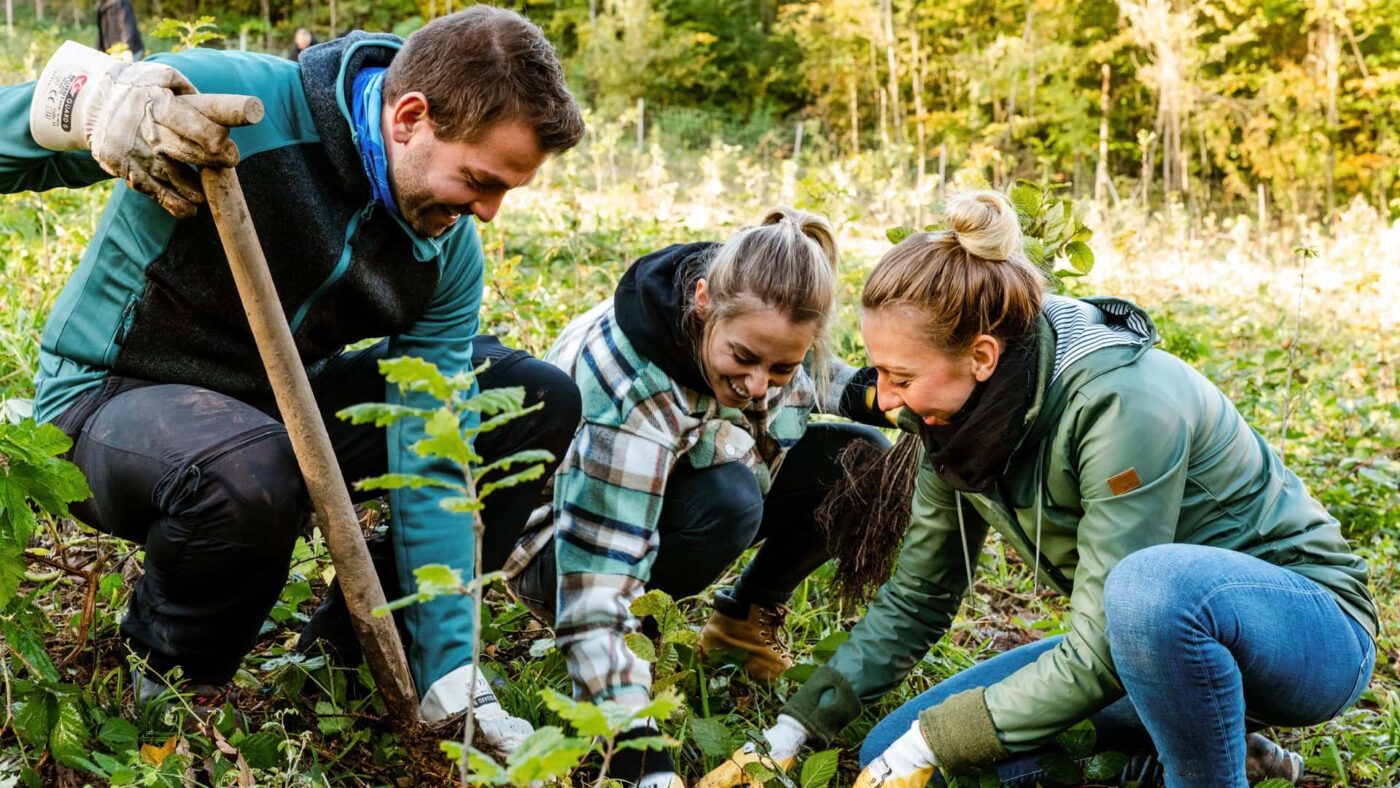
x,y
971,279
786,263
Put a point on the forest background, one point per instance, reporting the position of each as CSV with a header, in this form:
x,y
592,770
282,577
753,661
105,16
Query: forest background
x,y
1237,160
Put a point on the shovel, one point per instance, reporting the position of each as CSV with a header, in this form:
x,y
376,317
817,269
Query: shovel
x,y
307,431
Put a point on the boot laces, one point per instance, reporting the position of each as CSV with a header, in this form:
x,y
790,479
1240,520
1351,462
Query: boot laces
x,y
770,621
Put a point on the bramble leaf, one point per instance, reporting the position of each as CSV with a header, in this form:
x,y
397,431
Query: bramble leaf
x,y
819,768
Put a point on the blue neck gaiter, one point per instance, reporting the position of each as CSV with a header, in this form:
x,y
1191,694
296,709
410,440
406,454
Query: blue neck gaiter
x,y
366,105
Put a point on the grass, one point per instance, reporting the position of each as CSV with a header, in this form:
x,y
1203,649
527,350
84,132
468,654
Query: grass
x,y
1278,330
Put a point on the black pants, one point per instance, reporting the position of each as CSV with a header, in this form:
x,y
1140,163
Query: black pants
x,y
208,483
710,516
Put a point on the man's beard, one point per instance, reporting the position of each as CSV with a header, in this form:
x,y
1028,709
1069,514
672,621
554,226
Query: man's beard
x,y
416,204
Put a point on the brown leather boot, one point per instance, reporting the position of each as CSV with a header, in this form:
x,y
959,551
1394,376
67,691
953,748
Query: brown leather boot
x,y
1265,760
753,629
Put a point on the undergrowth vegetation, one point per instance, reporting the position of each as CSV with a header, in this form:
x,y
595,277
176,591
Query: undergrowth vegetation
x,y
1296,322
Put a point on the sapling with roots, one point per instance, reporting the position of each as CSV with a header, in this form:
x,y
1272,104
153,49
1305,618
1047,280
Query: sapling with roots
x,y
453,413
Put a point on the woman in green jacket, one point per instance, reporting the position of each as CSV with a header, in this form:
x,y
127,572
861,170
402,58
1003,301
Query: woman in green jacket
x,y
1195,563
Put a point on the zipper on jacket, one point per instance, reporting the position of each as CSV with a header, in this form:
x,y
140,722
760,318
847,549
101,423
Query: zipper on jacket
x,y
352,237
128,317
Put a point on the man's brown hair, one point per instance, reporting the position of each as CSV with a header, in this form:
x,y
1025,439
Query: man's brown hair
x,y
483,66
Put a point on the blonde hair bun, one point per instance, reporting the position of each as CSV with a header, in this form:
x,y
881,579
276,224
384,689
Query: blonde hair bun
x,y
985,225
810,225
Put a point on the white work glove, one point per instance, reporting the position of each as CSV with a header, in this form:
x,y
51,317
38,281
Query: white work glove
x,y
908,763
139,120
784,739
498,733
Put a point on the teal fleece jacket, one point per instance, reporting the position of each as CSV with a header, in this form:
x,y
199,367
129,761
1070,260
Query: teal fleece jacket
x,y
153,298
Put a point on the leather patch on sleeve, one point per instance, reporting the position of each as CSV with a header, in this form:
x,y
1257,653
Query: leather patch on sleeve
x,y
1125,482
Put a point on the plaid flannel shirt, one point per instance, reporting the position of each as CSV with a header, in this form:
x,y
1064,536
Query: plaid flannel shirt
x,y
637,424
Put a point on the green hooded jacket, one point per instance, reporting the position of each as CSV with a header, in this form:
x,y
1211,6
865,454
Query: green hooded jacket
x,y
1126,447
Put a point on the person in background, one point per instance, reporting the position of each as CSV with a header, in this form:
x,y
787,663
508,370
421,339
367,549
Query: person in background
x,y
117,29
301,41
1194,561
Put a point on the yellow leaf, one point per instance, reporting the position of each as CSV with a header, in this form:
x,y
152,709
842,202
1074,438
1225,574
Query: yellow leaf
x,y
157,755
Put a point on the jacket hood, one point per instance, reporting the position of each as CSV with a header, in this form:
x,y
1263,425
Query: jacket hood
x,y
650,304
327,72
1087,338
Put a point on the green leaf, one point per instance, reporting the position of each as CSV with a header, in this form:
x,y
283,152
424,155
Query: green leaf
x,y
261,750
461,504
653,603
435,580
818,769
528,475
30,649
663,704
518,458
445,439
11,569
1035,250
1081,257
586,718
118,734
641,646
1028,199
330,719
489,402
1274,782
544,754
499,420
1079,739
398,481
381,413
756,770
69,738
34,718
712,737
480,767
1105,766
682,635
897,234
416,374
1061,768
648,743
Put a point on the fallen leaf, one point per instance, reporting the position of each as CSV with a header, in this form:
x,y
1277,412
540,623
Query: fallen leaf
x,y
157,755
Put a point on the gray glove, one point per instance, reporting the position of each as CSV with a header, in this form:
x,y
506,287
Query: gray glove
x,y
139,120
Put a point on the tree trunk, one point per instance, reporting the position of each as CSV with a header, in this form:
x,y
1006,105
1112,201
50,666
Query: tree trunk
x,y
10,17
916,60
333,19
39,10
267,25
1331,54
892,61
855,117
1101,171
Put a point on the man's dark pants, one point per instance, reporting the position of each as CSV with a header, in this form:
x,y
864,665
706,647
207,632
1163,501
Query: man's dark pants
x,y
209,485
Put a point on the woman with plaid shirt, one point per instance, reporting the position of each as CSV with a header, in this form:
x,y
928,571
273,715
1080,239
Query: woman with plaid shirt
x,y
698,379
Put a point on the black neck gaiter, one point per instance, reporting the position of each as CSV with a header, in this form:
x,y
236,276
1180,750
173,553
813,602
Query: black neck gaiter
x,y
971,451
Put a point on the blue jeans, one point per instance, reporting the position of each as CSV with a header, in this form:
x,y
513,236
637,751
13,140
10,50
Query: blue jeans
x,y
1208,643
